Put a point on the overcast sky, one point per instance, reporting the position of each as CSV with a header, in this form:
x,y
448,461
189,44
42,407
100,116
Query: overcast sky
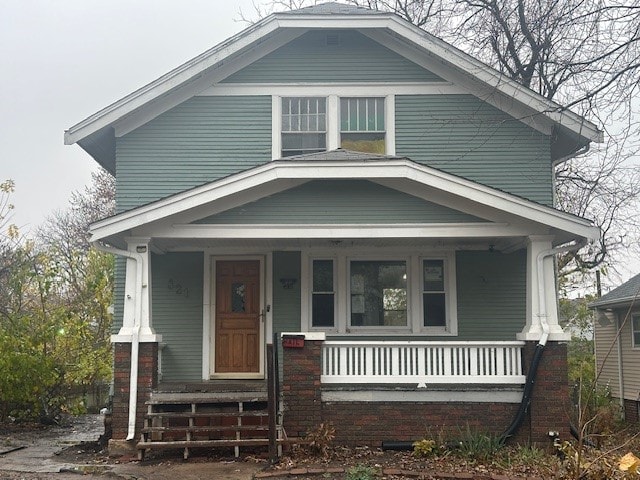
x,y
63,60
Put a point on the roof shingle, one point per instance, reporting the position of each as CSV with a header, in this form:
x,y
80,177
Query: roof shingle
x,y
624,293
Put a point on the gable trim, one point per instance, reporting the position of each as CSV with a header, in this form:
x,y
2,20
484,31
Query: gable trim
x,y
188,78
296,170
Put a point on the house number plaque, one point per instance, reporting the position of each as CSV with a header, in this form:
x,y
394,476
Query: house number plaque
x,y
293,341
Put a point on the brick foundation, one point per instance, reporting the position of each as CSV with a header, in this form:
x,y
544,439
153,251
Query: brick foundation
x,y
369,423
147,381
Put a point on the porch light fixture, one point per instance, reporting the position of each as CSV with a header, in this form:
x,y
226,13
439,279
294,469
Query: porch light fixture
x,y
141,248
288,283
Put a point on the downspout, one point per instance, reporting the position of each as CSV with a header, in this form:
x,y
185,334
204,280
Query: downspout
x,y
620,368
542,308
135,337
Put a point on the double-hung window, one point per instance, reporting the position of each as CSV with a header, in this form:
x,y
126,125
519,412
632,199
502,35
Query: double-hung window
x,y
362,124
323,294
304,125
434,293
635,330
403,294
308,124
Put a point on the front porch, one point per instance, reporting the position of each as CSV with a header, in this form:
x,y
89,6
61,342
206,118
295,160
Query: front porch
x,y
371,391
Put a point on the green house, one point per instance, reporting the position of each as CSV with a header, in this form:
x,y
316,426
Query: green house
x,y
339,176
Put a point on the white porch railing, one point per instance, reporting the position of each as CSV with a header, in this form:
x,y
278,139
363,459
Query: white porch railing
x,y
422,362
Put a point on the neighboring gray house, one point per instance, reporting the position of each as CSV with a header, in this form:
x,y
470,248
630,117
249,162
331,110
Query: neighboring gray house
x,y
338,173
619,356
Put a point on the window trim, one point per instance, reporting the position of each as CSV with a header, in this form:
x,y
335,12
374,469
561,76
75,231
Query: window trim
x,y
312,292
341,274
302,132
635,317
333,118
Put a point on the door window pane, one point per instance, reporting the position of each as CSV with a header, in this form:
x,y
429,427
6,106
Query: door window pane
x,y
378,293
238,297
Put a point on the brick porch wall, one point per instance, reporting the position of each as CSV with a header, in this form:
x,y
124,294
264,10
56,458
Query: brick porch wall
x,y
147,381
369,423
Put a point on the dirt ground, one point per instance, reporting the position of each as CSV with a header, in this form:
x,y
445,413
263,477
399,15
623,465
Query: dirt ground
x,y
36,452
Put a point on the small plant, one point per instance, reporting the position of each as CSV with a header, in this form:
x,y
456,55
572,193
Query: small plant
x,y
320,439
361,472
479,446
424,448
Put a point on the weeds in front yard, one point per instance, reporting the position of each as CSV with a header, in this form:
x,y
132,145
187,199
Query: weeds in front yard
x,y
361,472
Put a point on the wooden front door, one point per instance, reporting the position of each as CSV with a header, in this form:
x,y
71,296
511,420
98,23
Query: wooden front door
x,y
237,330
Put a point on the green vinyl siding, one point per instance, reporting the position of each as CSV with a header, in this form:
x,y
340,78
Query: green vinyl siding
x,y
286,301
491,289
200,140
356,58
340,201
177,286
463,135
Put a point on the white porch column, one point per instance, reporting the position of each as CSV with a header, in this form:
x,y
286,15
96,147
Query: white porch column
x,y
537,245
137,293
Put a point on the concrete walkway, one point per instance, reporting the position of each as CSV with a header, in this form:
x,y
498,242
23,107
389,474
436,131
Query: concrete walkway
x,y
35,458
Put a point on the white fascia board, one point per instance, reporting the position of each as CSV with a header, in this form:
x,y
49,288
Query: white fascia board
x,y
176,77
316,169
378,89
311,231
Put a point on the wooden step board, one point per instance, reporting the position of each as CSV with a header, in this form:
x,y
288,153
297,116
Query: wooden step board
x,y
206,420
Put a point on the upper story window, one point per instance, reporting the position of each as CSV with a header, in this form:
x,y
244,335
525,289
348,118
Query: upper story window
x,y
304,125
635,330
311,123
362,125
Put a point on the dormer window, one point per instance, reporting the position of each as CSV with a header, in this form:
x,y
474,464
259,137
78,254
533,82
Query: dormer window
x,y
362,126
304,125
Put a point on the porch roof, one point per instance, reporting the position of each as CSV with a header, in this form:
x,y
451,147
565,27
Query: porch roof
x,y
506,215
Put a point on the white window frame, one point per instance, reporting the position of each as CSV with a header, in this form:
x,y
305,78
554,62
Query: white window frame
x,y
342,297
635,317
302,132
335,293
332,117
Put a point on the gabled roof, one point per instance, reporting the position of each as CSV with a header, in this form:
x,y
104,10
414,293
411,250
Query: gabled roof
x,y
624,294
96,134
332,8
394,172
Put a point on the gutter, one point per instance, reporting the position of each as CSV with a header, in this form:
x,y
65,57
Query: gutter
x,y
135,337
